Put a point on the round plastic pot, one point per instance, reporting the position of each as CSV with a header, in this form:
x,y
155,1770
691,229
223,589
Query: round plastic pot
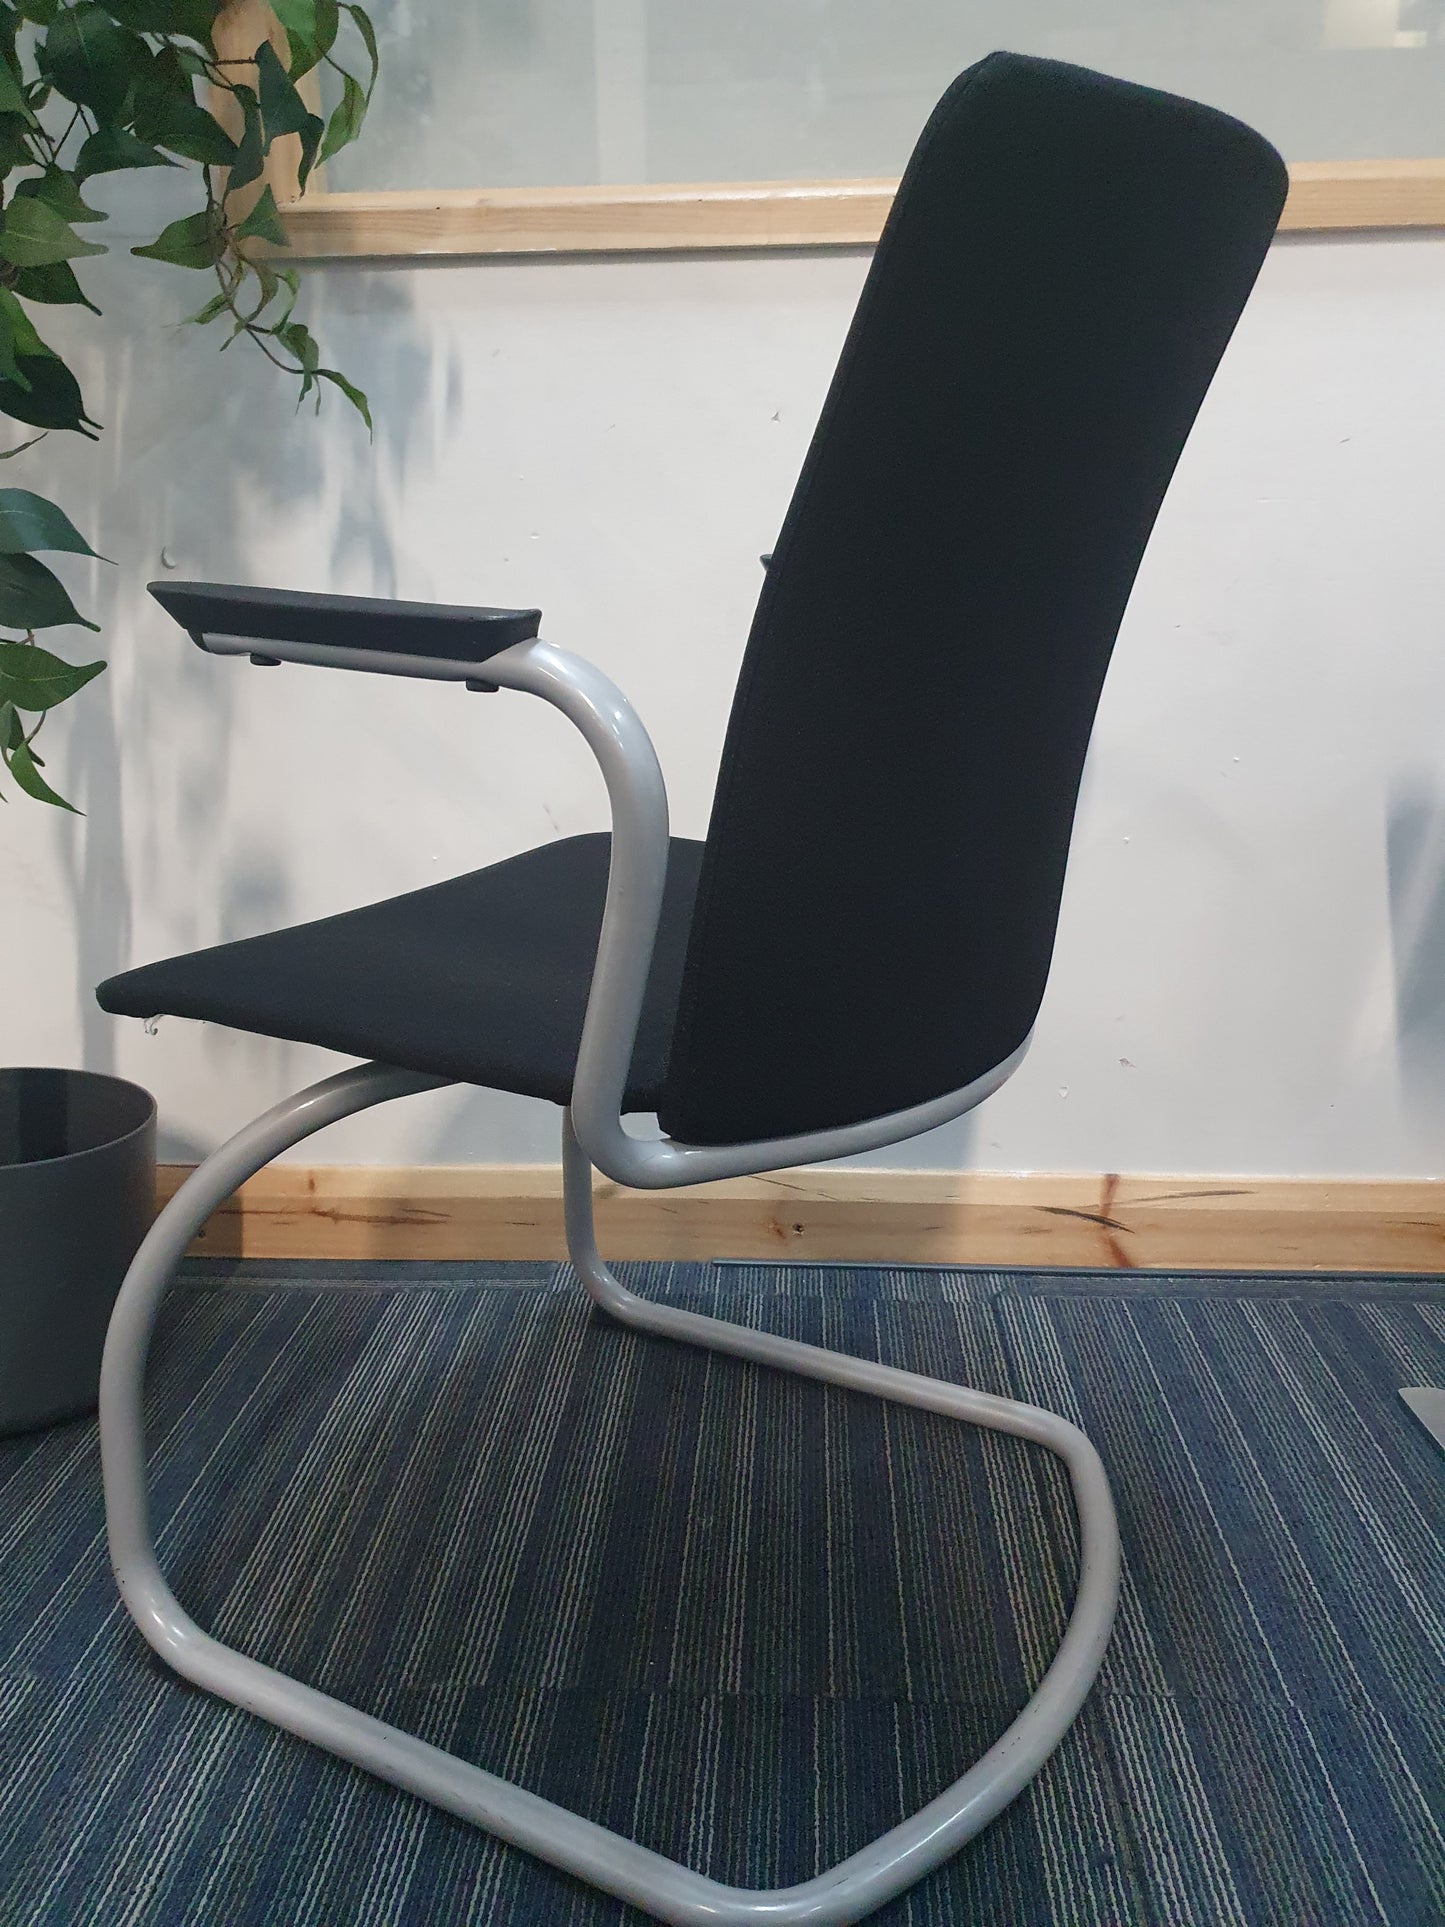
x,y
77,1195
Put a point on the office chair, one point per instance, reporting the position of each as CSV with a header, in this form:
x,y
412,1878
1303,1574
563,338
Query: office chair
x,y
858,949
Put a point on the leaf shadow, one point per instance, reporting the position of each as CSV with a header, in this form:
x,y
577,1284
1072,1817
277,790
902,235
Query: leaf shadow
x,y
206,467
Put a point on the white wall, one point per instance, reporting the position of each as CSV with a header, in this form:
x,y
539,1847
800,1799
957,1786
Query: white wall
x,y
1250,974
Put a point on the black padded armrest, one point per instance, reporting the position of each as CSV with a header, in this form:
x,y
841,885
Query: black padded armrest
x,y
360,623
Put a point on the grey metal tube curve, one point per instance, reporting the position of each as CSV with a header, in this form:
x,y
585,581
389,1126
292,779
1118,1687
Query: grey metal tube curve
x,y
892,1863
127,1341
634,1873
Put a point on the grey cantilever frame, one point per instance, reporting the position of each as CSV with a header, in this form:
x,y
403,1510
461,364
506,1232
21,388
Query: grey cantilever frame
x,y
1064,263
593,1133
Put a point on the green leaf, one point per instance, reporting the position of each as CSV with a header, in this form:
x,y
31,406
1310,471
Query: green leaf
x,y
33,234
271,280
362,22
268,281
352,393
31,597
282,108
29,523
10,369
7,454
298,17
194,18
32,678
17,337
42,12
12,98
55,283
59,190
172,66
311,29
346,118
21,761
166,116
109,149
21,329
312,135
87,57
263,223
218,304
195,241
250,158
295,338
284,112
52,398
14,141
42,391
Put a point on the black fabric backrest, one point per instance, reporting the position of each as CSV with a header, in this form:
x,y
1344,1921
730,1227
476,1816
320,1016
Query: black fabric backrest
x,y
1063,266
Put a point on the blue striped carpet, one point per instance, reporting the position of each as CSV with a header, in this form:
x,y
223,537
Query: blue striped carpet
x,y
748,1620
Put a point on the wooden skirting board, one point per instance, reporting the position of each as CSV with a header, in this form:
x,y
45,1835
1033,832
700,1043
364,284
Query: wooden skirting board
x,y
298,1211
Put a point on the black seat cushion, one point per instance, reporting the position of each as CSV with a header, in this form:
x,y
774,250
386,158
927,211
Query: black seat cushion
x,y
483,979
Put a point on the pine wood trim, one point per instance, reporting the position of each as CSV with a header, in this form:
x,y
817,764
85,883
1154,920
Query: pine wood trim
x,y
754,214
1244,1224
570,220
1365,194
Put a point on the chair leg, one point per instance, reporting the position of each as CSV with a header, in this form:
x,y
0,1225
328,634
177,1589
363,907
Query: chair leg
x,y
127,1340
889,1865
648,1880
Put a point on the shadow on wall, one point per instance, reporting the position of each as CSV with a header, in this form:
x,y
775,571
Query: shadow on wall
x,y
203,465
1415,855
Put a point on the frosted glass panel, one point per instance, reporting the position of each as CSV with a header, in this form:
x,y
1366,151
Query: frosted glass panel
x,y
537,93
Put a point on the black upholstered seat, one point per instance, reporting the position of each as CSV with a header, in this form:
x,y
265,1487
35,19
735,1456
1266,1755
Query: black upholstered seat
x,y
483,978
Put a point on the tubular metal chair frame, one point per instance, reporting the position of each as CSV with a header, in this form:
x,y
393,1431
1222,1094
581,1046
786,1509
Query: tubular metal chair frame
x,y
594,1134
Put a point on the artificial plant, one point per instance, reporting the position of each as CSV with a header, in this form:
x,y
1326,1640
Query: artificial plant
x,y
91,87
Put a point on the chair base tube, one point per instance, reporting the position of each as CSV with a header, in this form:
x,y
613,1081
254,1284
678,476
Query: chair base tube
x,y
661,1887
